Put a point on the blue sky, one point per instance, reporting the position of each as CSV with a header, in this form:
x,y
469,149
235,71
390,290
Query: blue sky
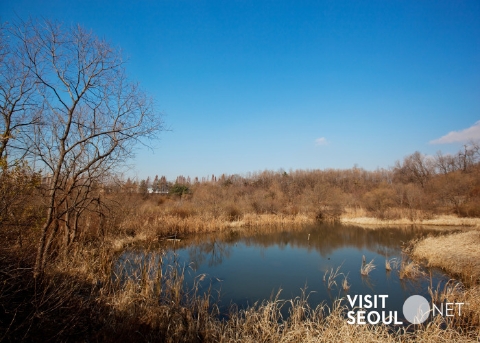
x,y
252,85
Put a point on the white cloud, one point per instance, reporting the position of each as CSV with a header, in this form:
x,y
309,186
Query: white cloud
x,y
472,133
321,141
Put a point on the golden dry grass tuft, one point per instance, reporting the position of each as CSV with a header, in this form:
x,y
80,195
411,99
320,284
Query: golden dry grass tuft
x,y
410,270
391,264
366,268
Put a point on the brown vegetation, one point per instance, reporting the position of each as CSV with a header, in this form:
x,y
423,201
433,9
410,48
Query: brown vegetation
x,y
416,191
458,254
410,270
440,190
77,299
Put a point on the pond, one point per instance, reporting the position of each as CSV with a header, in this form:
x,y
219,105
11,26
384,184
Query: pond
x,y
249,265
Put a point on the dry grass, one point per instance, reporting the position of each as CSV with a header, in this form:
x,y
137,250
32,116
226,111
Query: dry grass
x,y
154,224
332,275
455,292
264,323
360,217
366,268
345,284
410,270
273,219
451,290
450,220
391,264
79,301
119,243
170,217
458,254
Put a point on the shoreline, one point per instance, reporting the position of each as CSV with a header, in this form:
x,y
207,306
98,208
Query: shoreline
x,y
164,225
442,220
457,253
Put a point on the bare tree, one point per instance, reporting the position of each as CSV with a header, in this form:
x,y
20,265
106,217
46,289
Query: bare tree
x,y
469,155
18,105
463,160
91,116
446,163
415,168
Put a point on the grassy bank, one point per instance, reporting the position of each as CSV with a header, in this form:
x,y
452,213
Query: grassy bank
x,y
458,254
440,220
170,217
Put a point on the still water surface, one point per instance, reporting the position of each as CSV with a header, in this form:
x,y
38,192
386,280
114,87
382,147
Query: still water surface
x,y
248,265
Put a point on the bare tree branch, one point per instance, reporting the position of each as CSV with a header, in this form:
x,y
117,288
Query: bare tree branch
x,y
91,115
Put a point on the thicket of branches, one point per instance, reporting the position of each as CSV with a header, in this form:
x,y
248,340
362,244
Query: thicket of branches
x,y
417,187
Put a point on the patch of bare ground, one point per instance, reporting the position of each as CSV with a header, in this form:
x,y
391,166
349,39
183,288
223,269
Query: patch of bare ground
x,y
457,253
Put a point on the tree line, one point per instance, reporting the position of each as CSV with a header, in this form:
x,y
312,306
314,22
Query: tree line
x,y
417,187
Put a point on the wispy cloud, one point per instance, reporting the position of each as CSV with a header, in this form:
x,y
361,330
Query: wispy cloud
x,y
321,141
472,133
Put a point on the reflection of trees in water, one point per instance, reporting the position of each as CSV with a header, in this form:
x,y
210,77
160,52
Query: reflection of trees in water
x,y
326,238
323,238
214,250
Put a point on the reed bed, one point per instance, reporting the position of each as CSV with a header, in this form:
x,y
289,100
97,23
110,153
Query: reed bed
x,y
457,253
183,218
163,224
455,291
88,297
192,317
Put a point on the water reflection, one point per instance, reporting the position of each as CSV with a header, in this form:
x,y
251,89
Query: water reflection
x,y
247,265
324,239
212,252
